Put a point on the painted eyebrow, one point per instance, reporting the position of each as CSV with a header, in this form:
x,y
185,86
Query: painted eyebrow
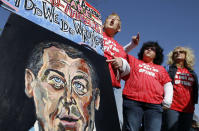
x,y
82,73
53,70
81,77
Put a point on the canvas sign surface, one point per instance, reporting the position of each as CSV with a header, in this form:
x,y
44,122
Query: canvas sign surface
x,y
51,83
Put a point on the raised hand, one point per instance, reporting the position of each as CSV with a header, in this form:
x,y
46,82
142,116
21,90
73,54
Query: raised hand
x,y
136,39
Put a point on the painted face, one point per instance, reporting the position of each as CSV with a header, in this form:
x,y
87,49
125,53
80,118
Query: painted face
x,y
179,54
149,54
112,25
63,93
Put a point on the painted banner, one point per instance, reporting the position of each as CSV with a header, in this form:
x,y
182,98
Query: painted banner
x,y
75,20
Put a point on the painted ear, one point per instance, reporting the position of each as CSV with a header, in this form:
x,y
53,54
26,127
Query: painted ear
x,y
97,99
29,77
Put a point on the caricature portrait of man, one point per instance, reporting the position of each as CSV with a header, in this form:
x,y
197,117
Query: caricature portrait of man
x,y
63,83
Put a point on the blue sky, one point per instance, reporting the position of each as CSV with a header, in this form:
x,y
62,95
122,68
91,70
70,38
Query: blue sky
x,y
170,22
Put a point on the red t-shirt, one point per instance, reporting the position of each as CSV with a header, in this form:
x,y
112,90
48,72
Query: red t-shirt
x,y
113,48
183,91
145,81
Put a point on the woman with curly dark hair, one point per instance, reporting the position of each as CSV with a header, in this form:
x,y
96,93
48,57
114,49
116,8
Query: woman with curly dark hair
x,y
147,89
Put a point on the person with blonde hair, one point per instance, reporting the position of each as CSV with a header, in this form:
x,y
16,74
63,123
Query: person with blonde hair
x,y
185,94
116,58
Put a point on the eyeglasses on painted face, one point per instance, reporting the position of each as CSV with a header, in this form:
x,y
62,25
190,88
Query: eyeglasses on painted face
x,y
150,48
179,52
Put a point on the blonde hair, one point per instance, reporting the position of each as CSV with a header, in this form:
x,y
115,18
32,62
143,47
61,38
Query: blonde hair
x,y
115,14
189,58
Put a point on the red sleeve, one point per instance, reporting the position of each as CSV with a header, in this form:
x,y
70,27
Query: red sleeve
x,y
126,77
164,76
132,61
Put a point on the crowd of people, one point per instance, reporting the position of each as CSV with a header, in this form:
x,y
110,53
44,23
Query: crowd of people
x,y
154,98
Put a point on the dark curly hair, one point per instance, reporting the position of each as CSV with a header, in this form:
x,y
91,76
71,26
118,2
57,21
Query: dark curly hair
x,y
159,52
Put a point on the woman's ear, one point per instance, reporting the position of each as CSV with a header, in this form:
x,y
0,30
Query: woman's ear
x,y
29,78
118,28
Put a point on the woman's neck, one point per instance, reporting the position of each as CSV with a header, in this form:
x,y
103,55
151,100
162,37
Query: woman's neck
x,y
180,64
148,60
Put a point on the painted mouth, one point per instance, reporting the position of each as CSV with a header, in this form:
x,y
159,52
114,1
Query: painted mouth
x,y
68,121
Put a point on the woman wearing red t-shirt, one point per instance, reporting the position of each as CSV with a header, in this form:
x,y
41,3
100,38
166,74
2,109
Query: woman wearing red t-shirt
x,y
147,88
185,83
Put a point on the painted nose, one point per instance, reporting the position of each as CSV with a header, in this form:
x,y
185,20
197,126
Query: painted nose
x,y
68,97
70,100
